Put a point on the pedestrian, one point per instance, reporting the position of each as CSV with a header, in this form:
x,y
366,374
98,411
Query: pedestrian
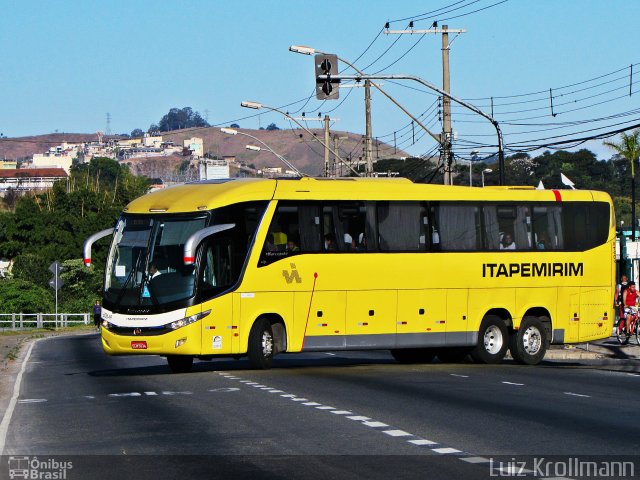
x,y
97,314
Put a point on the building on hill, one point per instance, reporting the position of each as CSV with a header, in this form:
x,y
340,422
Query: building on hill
x,y
30,179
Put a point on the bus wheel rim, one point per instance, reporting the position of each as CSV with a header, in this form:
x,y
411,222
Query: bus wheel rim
x,y
532,340
267,344
493,340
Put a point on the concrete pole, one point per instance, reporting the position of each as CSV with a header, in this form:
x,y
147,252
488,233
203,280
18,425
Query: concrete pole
x,y
446,108
327,139
368,150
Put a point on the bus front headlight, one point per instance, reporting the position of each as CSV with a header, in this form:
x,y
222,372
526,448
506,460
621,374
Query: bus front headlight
x,y
183,322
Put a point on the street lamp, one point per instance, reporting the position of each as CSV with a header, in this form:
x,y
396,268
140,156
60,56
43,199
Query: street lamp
x,y
486,170
258,106
232,131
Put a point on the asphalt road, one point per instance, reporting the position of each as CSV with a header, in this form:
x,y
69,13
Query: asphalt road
x,y
320,415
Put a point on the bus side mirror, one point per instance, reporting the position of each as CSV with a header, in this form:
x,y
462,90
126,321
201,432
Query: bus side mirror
x,y
86,251
190,246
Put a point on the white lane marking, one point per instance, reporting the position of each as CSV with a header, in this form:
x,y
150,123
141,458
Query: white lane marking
x,y
129,394
326,407
288,395
397,433
374,424
297,399
446,450
458,375
341,412
422,442
312,404
177,393
32,400
476,460
276,391
151,394
358,418
224,389
257,385
577,394
330,354
6,419
90,397
513,383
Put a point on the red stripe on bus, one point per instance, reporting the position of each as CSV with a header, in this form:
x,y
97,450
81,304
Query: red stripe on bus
x,y
558,195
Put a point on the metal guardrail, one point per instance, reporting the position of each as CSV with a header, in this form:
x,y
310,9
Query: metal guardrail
x,y
25,321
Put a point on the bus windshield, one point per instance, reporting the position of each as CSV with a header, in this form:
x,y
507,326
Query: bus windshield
x,y
145,264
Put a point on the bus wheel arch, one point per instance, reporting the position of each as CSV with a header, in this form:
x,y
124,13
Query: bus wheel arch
x,y
493,337
529,343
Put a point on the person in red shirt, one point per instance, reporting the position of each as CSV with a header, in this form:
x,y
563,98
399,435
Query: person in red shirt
x,y
630,301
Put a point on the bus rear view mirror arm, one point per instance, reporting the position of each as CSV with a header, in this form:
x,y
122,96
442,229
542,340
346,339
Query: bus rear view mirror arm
x,y
194,240
86,251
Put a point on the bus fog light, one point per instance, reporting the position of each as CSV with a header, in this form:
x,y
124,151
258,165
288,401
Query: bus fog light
x,y
181,342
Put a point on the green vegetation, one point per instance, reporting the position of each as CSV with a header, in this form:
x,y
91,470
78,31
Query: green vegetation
x,y
53,226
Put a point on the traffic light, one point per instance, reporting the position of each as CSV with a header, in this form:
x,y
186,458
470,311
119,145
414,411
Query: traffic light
x,y
328,88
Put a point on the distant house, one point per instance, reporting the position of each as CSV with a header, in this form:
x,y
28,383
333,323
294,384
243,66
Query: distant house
x,y
30,179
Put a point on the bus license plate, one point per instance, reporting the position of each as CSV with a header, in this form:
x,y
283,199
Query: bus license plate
x,y
139,345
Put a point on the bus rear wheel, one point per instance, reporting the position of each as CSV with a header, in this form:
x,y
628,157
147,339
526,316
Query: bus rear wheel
x,y
413,355
260,349
492,341
180,363
529,343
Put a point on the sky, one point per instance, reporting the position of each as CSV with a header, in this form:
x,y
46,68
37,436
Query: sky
x,y
68,65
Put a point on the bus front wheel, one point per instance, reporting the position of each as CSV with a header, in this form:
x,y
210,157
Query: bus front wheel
x,y
529,343
180,363
260,349
492,341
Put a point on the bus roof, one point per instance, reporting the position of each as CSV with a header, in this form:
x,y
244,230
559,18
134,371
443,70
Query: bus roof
x,y
206,195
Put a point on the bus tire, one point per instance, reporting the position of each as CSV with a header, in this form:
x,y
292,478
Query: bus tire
x,y
529,343
260,349
493,341
413,355
453,354
180,363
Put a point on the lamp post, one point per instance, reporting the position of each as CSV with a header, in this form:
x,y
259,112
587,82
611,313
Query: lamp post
x,y
258,106
232,131
486,170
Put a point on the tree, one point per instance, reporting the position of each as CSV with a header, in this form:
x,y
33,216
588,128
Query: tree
x,y
20,296
137,133
234,125
178,118
629,149
272,126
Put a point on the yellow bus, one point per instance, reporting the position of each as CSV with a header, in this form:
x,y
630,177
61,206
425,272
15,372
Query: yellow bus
x,y
257,267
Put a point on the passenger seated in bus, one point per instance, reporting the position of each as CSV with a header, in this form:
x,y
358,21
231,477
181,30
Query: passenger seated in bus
x,y
362,243
270,244
349,242
330,242
543,242
507,242
292,244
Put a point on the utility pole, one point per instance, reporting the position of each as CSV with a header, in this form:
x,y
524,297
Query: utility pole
x,y
368,150
327,139
446,137
334,165
446,109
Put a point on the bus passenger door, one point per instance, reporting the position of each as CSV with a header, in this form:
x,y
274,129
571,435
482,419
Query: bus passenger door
x,y
421,318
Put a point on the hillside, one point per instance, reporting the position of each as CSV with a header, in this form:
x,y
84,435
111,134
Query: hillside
x,y
295,145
